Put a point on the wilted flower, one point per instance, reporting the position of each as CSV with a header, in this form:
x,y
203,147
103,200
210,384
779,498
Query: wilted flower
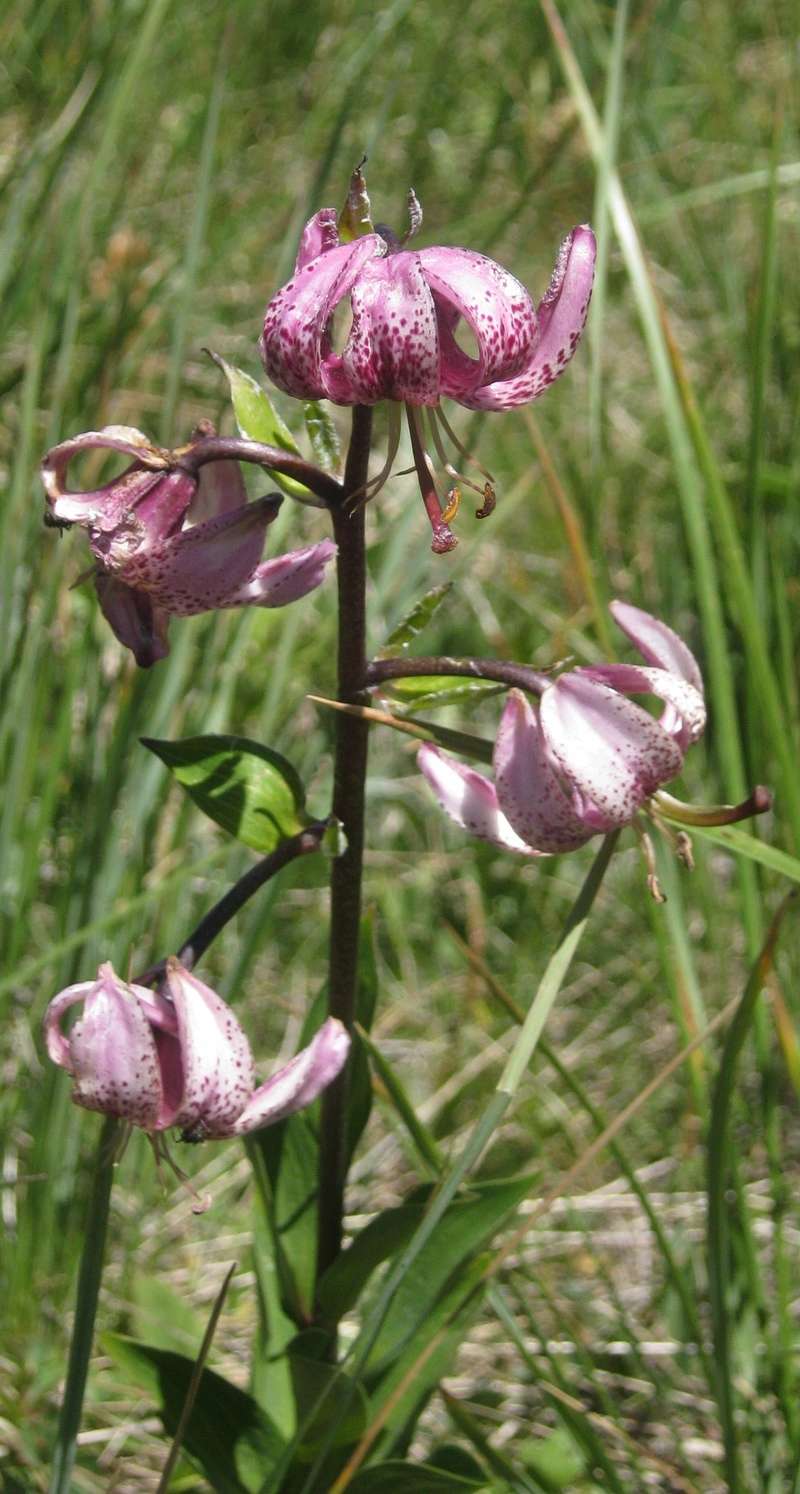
x,y
170,541
588,759
406,307
179,1058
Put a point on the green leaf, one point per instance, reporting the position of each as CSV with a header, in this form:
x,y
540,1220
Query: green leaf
x,y
342,1414
414,621
228,1435
467,1224
438,690
243,786
411,1378
731,838
258,420
285,1159
323,435
399,1477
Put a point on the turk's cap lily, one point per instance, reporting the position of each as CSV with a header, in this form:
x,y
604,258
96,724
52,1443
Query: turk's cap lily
x,y
406,306
171,542
179,1058
588,758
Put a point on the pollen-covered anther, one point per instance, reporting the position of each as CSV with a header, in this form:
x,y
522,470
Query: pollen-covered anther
x,y
489,502
452,505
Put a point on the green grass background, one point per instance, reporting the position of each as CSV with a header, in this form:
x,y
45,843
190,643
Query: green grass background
x,y
157,162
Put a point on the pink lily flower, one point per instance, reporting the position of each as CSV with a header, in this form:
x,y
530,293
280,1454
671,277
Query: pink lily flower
x,y
167,542
406,306
179,1059
588,759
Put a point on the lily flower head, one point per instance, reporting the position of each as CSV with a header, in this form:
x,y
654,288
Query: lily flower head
x,y
587,759
179,1058
406,307
170,539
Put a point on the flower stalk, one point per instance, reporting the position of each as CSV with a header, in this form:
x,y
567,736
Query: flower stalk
x,y
350,770
89,1277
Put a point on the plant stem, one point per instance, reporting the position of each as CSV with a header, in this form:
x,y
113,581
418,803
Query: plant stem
x,y
517,676
89,1276
219,448
350,769
213,922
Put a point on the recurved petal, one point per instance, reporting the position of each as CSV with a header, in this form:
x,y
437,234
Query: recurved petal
x,y
82,507
685,714
298,1083
134,618
294,340
392,351
200,568
528,789
113,1053
608,748
495,306
215,1057
320,234
468,798
286,578
657,643
58,1047
562,315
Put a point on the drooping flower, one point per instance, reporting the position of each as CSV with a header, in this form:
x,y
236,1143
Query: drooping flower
x,y
406,308
168,540
588,758
179,1059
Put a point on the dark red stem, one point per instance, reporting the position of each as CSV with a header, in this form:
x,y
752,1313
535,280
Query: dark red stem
x,y
350,771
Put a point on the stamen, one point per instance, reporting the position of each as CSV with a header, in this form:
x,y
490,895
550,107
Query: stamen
x,y
443,537
459,445
442,455
161,1152
453,504
373,486
678,840
648,851
489,502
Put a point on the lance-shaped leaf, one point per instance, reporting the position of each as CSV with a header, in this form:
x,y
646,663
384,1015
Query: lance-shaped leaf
x,y
414,621
258,420
245,787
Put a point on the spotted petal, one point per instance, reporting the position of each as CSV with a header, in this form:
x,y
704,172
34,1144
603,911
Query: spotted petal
x,y
215,1057
469,799
392,351
496,308
286,578
104,506
298,1083
529,791
610,749
111,1050
134,618
685,714
320,234
295,337
200,568
562,315
657,643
